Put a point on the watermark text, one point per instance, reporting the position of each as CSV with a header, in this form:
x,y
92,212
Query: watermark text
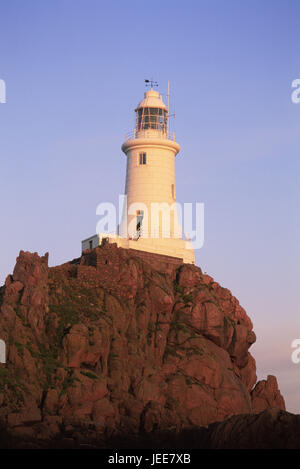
x,y
153,220
2,92
2,351
296,353
295,96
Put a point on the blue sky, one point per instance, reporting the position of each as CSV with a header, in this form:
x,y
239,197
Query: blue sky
x,y
74,72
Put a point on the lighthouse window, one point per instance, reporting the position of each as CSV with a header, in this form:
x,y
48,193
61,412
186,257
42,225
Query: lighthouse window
x,y
143,158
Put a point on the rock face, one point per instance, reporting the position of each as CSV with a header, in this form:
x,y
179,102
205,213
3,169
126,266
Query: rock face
x,y
271,429
266,394
121,342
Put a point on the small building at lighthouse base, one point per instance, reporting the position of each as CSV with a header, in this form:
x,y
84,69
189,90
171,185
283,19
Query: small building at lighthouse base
x,y
178,248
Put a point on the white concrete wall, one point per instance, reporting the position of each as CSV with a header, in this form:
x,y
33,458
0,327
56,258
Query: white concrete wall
x,y
168,247
85,244
152,182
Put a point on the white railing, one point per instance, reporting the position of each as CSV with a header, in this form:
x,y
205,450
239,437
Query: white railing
x,y
151,133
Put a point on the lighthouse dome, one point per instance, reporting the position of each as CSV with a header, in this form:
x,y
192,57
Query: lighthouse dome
x,y
152,99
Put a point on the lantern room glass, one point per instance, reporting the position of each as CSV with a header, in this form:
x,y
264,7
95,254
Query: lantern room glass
x,y
151,118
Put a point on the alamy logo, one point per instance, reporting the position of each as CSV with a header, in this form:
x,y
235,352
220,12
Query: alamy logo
x,y
296,353
154,220
2,351
2,92
295,96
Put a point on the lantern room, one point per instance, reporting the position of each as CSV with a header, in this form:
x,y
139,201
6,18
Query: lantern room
x,y
152,113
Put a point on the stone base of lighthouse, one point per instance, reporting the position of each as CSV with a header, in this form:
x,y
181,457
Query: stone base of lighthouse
x,y
178,248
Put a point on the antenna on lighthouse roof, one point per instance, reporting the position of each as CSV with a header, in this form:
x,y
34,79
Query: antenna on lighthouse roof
x,y
168,120
151,83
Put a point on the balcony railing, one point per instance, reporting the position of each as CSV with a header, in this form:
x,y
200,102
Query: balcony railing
x,y
150,133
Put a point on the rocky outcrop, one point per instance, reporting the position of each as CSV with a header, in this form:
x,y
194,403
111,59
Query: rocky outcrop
x,y
271,429
118,344
266,395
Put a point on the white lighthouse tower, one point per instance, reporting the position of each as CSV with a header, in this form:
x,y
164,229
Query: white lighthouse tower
x,y
150,215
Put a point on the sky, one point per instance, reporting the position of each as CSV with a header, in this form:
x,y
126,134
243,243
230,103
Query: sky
x,y
74,73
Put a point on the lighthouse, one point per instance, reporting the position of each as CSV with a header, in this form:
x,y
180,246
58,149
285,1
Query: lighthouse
x,y
150,212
